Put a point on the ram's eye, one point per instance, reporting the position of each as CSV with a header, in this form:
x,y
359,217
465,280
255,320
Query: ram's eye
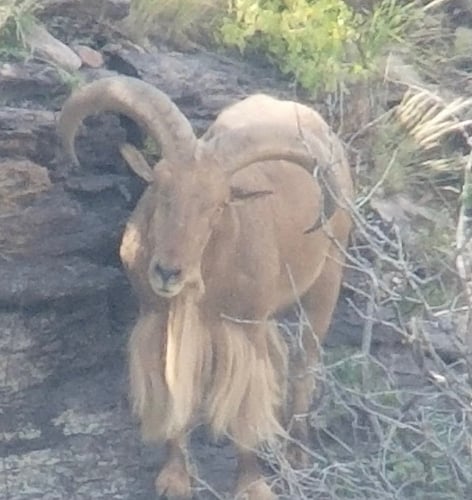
x,y
239,195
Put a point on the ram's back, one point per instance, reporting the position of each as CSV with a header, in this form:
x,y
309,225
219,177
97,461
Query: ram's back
x,y
261,110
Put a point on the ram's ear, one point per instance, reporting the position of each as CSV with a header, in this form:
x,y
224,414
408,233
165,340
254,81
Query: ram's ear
x,y
136,161
241,195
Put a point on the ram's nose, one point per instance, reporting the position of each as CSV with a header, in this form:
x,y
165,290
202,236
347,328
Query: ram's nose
x,y
166,274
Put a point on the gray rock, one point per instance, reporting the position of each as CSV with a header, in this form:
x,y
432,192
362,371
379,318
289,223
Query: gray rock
x,y
45,46
38,344
32,80
28,283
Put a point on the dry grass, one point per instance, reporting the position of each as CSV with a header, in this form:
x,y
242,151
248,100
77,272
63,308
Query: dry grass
x,y
14,14
180,22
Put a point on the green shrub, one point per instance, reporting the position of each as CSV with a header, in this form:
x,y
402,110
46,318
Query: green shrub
x,y
324,43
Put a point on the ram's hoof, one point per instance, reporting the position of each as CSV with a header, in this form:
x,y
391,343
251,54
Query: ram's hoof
x,y
256,490
173,482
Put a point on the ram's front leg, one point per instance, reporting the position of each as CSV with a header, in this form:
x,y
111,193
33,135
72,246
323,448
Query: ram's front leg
x,y
318,304
152,405
173,481
262,372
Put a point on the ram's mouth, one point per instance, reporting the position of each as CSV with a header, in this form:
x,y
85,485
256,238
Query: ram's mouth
x,y
167,291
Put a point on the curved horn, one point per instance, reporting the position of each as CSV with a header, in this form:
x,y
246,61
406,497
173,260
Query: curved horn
x,y
237,149
147,106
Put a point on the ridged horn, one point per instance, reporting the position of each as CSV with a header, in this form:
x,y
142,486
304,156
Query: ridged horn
x,y
150,108
237,149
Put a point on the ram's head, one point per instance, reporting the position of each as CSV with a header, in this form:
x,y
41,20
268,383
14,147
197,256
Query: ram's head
x,y
191,186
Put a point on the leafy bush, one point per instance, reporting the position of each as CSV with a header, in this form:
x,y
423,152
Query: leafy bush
x,y
324,43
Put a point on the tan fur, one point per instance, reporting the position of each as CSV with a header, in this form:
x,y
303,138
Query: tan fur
x,y
244,390
168,371
187,362
150,398
248,390
215,248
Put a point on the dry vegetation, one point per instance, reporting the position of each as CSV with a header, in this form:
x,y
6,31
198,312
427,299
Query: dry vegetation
x,y
15,17
181,22
394,418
